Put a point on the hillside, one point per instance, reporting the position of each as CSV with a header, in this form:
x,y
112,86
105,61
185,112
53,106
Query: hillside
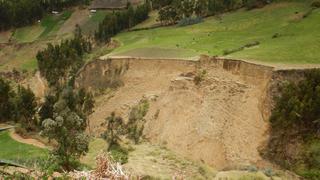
x,y
279,28
90,91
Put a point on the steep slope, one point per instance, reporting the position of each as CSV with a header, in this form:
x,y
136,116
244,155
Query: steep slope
x,y
218,122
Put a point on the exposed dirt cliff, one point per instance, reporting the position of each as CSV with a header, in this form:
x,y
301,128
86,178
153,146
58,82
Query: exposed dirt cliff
x,y
223,121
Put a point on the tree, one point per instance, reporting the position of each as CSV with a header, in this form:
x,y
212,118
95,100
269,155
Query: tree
x,y
115,22
59,63
201,8
46,109
26,107
6,104
187,8
158,4
215,6
114,130
251,4
67,128
168,15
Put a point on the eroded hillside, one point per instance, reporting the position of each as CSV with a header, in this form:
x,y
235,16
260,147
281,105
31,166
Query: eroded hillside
x,y
221,121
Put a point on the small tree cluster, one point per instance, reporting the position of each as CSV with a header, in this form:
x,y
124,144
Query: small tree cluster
x,y
136,121
295,120
115,22
19,106
59,63
67,125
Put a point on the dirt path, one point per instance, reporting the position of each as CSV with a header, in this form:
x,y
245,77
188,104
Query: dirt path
x,y
30,141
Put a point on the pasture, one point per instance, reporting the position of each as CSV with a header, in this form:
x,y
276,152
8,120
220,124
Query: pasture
x,y
284,36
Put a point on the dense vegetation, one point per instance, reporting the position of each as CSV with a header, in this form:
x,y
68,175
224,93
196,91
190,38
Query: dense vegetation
x,y
118,130
66,124
17,13
18,105
172,11
59,63
295,124
115,22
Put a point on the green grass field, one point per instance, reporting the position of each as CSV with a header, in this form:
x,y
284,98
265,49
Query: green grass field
x,y
48,26
11,150
28,33
52,23
297,41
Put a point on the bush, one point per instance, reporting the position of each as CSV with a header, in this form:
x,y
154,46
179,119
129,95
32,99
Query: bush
x,y
136,122
315,4
199,77
314,154
21,131
119,154
230,51
295,118
252,4
311,174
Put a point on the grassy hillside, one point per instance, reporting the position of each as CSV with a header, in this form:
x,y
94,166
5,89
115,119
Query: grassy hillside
x,y
51,29
284,36
48,26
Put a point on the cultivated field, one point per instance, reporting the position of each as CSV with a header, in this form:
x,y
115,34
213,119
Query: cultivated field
x,y
279,28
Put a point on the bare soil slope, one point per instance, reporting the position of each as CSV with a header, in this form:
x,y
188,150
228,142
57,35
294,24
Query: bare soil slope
x,y
218,122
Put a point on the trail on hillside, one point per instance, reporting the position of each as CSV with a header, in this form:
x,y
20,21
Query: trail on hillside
x,y
29,141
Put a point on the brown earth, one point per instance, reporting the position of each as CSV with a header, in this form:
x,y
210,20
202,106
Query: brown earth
x,y
219,122
79,17
37,84
30,141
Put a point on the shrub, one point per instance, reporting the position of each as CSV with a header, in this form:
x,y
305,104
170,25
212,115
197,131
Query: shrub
x,y
315,4
230,51
311,174
136,122
295,118
21,131
119,154
268,172
199,77
314,154
251,4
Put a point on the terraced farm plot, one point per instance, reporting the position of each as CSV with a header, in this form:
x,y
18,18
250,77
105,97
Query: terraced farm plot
x,y
48,26
52,23
94,19
28,33
284,35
